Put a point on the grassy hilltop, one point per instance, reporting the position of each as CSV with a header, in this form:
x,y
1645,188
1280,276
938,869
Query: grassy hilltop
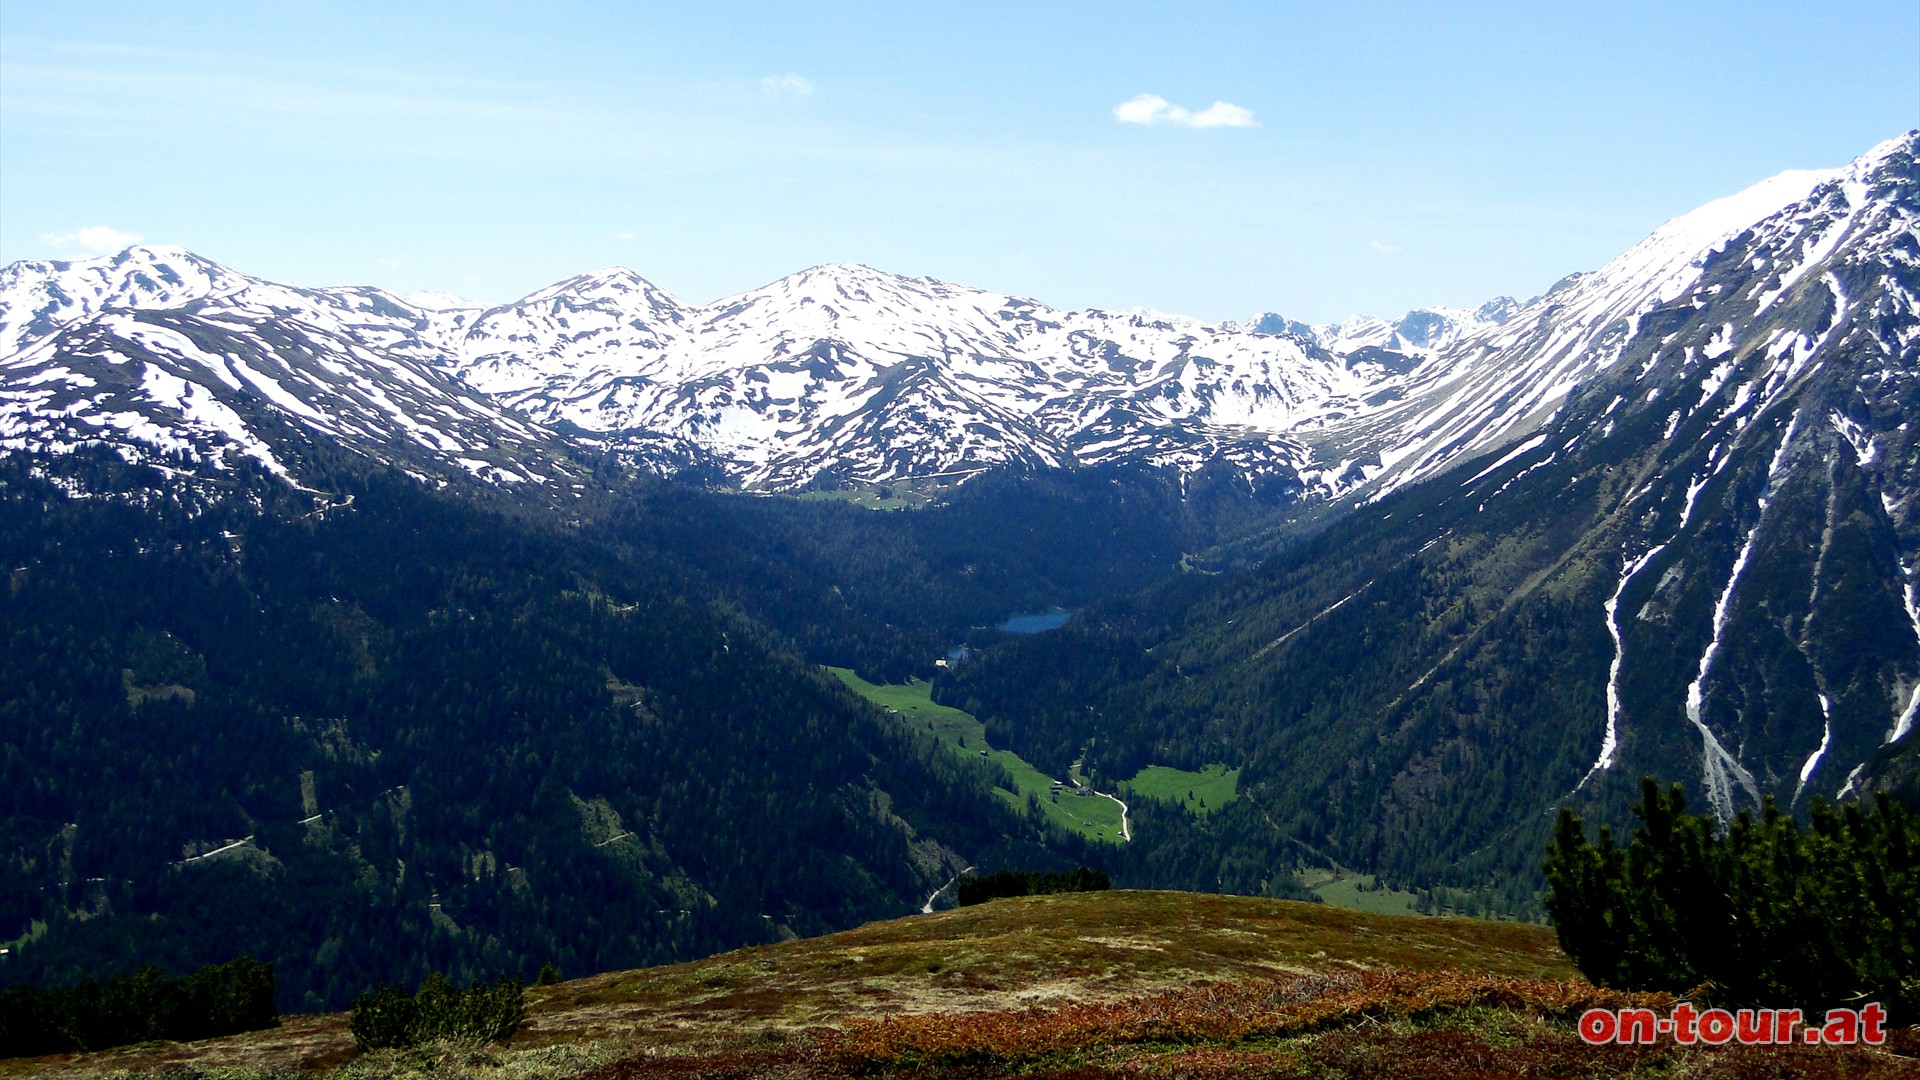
x,y
1082,985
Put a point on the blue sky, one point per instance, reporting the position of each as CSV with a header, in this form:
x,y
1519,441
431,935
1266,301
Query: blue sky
x,y
1361,157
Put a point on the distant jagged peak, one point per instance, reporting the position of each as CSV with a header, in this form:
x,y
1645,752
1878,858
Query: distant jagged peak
x,y
1499,309
1428,328
1422,330
1278,325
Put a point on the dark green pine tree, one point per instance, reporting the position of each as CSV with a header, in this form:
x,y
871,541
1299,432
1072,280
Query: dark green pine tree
x,y
1583,880
1762,912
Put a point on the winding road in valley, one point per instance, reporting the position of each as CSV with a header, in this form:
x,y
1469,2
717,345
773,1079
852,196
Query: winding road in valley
x,y
927,908
1126,832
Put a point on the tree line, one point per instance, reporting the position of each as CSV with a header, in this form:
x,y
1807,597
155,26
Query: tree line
x,y
220,999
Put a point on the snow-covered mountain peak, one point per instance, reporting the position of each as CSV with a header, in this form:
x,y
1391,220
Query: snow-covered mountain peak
x,y
1418,332
610,321
1666,263
846,275
833,290
1496,385
441,300
1883,174
1670,259
610,289
1274,323
876,314
1147,316
847,370
1692,235
1885,153
38,296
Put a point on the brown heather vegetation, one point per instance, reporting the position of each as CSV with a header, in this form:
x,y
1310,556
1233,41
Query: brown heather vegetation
x,y
1116,984
1391,1025
1214,1014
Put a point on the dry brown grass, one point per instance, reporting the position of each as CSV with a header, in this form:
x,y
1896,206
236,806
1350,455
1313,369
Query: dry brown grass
x,y
1079,985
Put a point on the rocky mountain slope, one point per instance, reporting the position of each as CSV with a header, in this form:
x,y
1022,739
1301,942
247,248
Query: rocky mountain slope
x,y
1686,545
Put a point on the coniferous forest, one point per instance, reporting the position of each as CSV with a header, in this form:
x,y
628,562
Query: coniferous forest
x,y
411,734
389,731
378,731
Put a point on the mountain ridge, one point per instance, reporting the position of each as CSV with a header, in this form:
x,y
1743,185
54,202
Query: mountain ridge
x,y
841,372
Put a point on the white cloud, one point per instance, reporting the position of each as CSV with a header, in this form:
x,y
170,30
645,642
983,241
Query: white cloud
x,y
1145,109
95,238
1385,249
1154,109
1224,114
788,85
623,236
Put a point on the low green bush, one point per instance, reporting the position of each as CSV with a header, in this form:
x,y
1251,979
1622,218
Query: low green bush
x,y
1006,883
389,1017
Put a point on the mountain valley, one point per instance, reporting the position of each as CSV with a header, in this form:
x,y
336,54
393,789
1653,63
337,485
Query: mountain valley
x,y
372,638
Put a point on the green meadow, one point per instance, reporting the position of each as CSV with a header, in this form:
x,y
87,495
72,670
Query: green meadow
x,y
960,732
1199,792
1344,888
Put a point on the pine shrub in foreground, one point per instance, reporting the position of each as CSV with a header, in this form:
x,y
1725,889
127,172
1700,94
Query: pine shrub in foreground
x,y
1764,912
389,1017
